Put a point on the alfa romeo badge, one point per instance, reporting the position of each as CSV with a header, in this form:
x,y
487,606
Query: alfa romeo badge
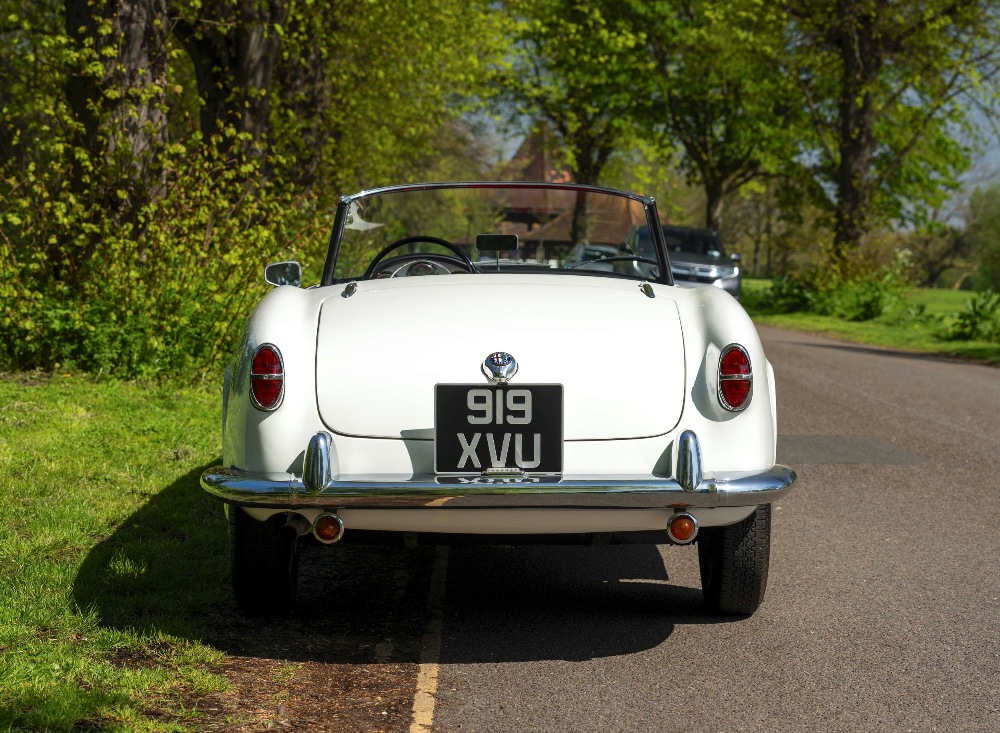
x,y
499,366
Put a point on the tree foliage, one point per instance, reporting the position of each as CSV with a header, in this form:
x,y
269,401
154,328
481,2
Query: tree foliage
x,y
983,235
579,68
154,154
888,85
715,94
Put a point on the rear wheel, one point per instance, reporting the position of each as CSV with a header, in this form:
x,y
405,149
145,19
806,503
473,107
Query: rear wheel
x,y
734,561
265,563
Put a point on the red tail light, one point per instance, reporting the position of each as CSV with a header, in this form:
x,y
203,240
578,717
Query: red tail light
x,y
267,378
735,378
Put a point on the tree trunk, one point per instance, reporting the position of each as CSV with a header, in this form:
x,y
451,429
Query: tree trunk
x,y
713,204
580,226
257,45
861,60
853,178
234,55
210,57
590,158
123,109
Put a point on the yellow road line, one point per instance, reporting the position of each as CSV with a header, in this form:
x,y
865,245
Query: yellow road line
x,y
430,653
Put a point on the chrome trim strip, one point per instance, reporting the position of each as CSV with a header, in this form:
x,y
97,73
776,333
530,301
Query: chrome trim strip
x,y
385,492
645,200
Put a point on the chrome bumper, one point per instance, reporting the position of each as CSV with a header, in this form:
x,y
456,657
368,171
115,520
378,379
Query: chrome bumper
x,y
319,488
619,492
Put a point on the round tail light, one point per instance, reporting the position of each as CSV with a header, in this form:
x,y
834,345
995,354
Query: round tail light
x,y
267,378
682,528
735,378
328,528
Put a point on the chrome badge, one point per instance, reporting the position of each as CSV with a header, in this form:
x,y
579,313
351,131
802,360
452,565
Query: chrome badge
x,y
499,366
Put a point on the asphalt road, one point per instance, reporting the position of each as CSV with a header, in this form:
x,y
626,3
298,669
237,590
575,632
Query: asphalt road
x,y
883,605
881,611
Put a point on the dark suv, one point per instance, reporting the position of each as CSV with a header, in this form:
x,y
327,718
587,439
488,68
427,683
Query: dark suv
x,y
696,258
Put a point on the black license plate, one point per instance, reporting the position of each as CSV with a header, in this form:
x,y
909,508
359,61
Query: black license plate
x,y
480,427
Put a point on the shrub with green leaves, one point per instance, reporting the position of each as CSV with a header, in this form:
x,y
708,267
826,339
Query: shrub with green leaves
x,y
853,300
787,294
145,181
162,291
979,320
848,290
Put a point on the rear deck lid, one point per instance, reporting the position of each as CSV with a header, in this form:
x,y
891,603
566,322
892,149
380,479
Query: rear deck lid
x,y
618,353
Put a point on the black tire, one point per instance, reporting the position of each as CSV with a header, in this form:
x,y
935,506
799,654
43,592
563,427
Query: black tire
x,y
264,562
734,561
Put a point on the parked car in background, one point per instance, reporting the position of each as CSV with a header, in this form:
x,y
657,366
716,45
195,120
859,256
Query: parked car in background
x,y
697,257
432,385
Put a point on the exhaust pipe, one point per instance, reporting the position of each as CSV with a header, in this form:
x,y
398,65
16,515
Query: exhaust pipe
x,y
682,528
328,528
295,527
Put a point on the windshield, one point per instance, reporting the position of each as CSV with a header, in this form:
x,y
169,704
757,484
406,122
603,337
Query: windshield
x,y
484,228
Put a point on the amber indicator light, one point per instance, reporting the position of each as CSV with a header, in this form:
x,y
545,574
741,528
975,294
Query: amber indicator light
x,y
682,527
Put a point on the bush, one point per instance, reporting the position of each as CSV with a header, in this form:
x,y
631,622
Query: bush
x,y
983,232
978,321
847,290
855,300
787,294
907,314
158,292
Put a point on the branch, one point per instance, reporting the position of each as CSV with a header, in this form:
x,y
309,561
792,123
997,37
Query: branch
x,y
817,120
952,90
925,22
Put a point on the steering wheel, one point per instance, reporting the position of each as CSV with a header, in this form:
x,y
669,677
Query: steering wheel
x,y
461,258
616,258
407,265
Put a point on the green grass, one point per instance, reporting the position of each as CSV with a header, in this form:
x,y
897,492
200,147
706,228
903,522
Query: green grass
x,y
896,329
939,302
109,551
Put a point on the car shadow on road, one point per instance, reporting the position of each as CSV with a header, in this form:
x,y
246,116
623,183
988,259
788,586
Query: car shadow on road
x,y
518,604
165,569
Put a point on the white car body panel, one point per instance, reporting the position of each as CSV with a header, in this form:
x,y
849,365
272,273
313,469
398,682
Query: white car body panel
x,y
381,351
734,444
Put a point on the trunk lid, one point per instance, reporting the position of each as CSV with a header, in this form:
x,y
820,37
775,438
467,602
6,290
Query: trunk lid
x,y
618,353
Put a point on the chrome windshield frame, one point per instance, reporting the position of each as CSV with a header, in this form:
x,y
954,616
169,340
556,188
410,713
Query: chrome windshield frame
x,y
340,220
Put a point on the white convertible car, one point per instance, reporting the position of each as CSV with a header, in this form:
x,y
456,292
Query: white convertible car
x,y
457,374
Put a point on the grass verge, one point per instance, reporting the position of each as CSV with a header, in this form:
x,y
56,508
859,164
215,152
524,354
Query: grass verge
x,y
108,551
898,329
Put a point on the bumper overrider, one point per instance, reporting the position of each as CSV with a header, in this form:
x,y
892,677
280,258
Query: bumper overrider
x,y
319,488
